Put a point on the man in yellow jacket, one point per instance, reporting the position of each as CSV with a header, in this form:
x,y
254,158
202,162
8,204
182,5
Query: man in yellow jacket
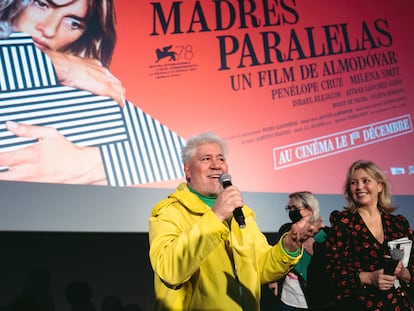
x,y
202,259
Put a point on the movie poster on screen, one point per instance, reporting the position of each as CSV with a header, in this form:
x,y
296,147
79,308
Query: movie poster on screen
x,y
299,89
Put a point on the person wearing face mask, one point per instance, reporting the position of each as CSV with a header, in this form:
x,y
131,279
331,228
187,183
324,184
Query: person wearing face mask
x,y
292,289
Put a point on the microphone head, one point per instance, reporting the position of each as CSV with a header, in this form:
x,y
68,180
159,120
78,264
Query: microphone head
x,y
225,180
397,254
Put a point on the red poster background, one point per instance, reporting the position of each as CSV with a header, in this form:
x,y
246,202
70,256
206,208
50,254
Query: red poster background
x,y
198,96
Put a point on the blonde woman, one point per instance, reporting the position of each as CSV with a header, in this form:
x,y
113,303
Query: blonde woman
x,y
358,246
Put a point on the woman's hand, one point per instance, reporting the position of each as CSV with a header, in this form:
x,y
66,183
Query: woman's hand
x,y
52,159
87,74
402,273
377,278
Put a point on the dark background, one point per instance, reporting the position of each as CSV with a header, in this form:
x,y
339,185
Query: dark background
x,y
79,271
39,269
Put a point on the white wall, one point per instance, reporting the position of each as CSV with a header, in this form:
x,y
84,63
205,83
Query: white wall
x,y
74,208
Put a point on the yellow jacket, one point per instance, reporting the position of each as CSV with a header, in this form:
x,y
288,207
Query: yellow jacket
x,y
200,264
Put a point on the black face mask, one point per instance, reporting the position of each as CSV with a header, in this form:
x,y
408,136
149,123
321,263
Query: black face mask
x,y
295,215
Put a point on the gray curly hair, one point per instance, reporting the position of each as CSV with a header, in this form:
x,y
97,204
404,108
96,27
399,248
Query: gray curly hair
x,y
201,139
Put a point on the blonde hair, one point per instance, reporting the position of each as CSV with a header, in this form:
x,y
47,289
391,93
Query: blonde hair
x,y
384,197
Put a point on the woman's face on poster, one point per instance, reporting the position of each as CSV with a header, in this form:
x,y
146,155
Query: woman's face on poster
x,y
54,24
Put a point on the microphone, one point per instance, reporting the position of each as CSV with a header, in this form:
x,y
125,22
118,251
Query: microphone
x,y
225,180
390,262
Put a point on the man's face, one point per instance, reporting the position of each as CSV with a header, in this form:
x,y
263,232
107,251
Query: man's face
x,y
205,168
54,24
